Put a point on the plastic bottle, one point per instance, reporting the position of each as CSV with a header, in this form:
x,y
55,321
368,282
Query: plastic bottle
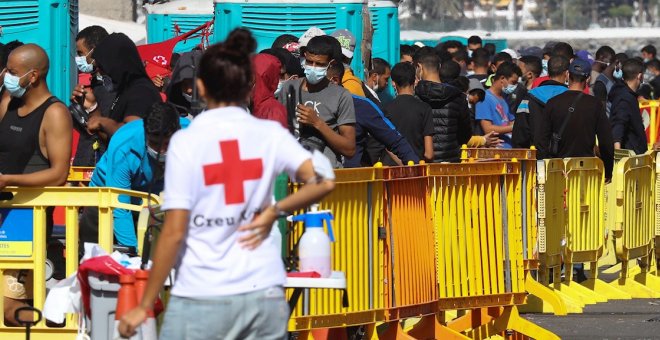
x,y
314,245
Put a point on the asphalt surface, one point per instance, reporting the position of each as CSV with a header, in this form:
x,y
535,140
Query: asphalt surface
x,y
615,319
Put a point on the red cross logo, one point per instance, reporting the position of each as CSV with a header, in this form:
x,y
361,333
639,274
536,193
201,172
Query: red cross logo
x,y
232,172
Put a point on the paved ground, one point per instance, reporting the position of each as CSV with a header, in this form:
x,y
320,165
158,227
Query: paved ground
x,y
619,319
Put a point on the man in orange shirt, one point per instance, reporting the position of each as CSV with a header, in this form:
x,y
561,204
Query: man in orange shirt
x,y
350,82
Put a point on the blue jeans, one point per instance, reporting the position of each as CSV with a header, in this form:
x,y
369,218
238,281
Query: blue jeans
x,y
257,315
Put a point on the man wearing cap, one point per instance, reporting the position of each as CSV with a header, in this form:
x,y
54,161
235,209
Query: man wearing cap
x,y
350,82
584,123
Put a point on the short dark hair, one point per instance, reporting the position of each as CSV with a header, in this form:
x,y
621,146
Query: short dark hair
x,y
462,83
162,120
650,49
577,78
475,39
403,74
337,54
621,58
283,40
632,68
226,68
460,55
452,44
6,50
605,53
336,68
558,65
379,66
449,71
490,47
481,57
506,70
429,59
92,35
406,50
532,64
502,57
563,49
321,45
654,63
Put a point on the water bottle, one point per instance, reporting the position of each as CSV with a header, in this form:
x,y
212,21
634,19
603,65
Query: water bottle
x,y
314,245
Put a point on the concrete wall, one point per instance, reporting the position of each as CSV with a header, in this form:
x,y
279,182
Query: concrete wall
x,y
110,9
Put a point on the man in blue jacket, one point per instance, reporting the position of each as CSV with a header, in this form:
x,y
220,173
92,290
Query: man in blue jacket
x,y
525,130
135,160
370,119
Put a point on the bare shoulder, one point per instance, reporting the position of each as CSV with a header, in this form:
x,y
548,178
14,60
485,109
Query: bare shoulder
x,y
57,116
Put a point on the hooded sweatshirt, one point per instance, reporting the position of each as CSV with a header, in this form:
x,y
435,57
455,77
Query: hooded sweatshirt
x,y
531,107
267,76
183,69
117,57
451,119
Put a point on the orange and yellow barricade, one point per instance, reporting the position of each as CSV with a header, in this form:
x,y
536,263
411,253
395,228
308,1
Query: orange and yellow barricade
x,y
649,111
36,201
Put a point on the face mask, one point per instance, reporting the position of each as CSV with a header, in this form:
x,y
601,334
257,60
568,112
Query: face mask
x,y
12,84
545,67
187,97
618,74
279,87
469,73
646,60
375,86
315,75
83,65
509,89
155,155
470,53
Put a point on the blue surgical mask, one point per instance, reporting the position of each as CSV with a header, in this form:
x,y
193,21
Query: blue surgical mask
x,y
509,89
279,87
618,73
155,155
83,65
13,86
545,67
315,75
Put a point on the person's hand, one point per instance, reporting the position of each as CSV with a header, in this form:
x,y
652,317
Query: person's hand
x,y
258,230
492,140
158,81
94,124
307,115
79,91
131,321
3,181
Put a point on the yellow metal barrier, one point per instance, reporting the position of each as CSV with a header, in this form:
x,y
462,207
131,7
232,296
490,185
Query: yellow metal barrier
x,y
634,227
357,205
39,199
479,255
650,108
80,173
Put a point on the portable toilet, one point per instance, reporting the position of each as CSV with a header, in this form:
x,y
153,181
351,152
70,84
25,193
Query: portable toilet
x,y
385,41
268,19
53,25
164,19
385,21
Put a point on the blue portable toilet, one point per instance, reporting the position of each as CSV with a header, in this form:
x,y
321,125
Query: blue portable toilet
x,y
386,37
53,25
186,14
268,19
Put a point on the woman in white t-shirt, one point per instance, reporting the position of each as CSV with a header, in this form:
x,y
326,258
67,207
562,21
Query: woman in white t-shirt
x,y
219,179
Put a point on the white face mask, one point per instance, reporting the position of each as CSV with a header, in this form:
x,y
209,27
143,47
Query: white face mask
x,y
155,155
187,97
279,88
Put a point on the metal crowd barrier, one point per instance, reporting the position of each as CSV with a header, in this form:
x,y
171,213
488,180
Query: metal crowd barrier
x,y
24,246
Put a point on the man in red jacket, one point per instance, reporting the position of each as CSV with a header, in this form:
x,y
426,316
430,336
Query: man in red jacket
x,y
267,69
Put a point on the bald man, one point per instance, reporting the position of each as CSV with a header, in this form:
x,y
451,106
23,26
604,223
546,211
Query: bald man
x,y
35,145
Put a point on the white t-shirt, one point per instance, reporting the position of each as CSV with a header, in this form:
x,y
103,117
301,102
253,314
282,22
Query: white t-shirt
x,y
222,169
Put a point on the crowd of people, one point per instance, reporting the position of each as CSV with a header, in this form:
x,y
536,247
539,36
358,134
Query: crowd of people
x,y
176,132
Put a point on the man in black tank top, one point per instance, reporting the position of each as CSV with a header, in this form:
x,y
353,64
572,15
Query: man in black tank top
x,y
35,145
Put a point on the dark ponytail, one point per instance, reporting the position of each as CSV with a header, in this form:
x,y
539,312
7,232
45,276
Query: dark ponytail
x,y
226,68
